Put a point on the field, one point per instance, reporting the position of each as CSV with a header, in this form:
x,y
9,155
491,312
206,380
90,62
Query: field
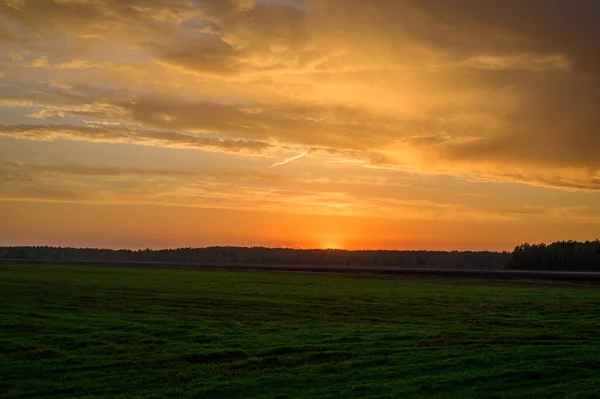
x,y
107,332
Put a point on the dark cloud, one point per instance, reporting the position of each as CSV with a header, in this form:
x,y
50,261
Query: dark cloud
x,y
208,54
123,135
28,172
556,123
567,27
558,126
588,183
232,39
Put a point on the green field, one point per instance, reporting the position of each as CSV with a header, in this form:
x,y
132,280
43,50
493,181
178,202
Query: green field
x,y
155,333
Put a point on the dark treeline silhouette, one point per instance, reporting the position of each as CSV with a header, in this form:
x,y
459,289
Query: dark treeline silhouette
x,y
561,255
270,256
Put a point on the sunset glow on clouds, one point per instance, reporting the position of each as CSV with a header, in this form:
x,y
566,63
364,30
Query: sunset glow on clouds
x,y
368,123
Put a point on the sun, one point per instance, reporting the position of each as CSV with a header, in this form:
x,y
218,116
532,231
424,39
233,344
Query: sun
x,y
331,244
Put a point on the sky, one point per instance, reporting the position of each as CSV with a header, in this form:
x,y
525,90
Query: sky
x,y
375,124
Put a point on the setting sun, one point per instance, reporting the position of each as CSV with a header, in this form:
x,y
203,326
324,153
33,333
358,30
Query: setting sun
x,y
332,241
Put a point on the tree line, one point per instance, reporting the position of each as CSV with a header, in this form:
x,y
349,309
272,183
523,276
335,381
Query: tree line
x,y
269,256
562,255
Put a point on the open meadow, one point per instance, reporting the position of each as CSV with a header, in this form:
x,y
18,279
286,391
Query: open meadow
x,y
109,332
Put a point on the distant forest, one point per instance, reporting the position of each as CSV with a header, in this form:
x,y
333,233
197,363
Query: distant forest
x,y
270,256
564,255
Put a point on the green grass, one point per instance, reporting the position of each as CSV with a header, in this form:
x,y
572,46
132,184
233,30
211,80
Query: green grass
x,y
109,332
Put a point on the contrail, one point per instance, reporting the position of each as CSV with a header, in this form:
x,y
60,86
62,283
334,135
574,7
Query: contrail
x,y
288,160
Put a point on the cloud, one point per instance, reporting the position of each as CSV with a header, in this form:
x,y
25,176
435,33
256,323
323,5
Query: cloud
x,y
288,160
41,62
110,185
25,171
119,133
517,62
556,127
140,137
335,127
507,92
47,114
562,179
532,23
243,188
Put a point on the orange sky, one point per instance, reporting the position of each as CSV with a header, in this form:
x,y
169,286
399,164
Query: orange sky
x,y
396,124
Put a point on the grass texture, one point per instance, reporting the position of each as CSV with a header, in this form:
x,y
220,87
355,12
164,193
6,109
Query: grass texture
x,y
108,332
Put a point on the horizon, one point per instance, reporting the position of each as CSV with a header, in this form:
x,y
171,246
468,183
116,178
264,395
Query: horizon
x,y
289,248
157,249
379,125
